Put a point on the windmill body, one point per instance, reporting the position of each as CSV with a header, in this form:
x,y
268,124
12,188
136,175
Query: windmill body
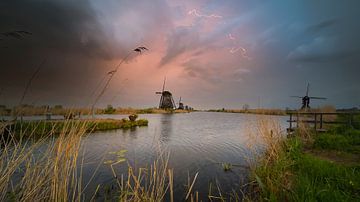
x,y
166,100
181,105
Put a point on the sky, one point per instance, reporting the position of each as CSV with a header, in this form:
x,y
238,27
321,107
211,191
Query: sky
x,y
213,53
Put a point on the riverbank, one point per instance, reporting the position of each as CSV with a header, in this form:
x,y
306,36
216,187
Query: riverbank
x,y
43,128
29,110
311,167
148,111
276,112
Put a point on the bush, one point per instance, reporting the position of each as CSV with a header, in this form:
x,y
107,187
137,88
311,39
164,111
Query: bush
x,y
133,117
142,122
109,110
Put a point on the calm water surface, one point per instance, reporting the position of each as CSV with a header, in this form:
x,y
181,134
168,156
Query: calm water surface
x,y
197,142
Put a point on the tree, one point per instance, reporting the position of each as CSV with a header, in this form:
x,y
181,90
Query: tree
x,y
109,109
246,107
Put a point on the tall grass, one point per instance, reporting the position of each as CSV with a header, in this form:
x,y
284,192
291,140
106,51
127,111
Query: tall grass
x,y
265,136
152,183
49,169
31,172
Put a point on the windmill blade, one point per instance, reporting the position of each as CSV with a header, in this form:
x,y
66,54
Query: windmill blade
x,y
164,85
307,89
318,98
297,96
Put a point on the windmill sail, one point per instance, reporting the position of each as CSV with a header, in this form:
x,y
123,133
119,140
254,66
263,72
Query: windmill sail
x,y
305,100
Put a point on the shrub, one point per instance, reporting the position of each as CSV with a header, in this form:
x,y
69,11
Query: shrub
x,y
109,109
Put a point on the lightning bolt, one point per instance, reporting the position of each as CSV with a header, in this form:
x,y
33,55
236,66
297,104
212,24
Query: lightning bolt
x,y
196,13
237,48
231,37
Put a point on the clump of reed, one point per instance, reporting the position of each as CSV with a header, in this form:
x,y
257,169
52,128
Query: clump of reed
x,y
264,137
151,183
30,172
265,144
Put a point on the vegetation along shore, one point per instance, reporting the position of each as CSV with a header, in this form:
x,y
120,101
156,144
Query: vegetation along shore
x,y
30,110
310,166
40,128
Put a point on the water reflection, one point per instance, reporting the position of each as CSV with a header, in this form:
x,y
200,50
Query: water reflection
x,y
166,126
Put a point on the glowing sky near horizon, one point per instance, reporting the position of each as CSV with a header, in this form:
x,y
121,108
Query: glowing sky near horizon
x,y
213,53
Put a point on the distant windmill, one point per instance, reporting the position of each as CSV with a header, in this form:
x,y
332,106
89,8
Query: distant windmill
x,y
306,99
181,105
166,100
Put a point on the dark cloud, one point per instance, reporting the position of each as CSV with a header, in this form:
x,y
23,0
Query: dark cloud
x,y
62,26
322,25
332,40
67,34
322,49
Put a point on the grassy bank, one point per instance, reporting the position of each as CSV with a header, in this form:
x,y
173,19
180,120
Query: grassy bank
x,y
277,112
29,110
147,111
44,128
311,167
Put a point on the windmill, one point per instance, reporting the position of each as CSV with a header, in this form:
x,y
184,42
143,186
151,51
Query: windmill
x,y
166,100
181,105
306,99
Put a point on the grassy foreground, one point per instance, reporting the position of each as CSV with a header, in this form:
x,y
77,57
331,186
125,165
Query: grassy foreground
x,y
311,167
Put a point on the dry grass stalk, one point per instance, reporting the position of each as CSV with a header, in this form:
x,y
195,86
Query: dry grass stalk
x,y
31,173
147,184
264,136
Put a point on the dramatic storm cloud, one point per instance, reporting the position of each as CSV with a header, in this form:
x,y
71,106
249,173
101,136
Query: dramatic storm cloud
x,y
214,53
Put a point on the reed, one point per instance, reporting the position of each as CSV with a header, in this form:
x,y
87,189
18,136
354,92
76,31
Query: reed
x,y
31,173
152,183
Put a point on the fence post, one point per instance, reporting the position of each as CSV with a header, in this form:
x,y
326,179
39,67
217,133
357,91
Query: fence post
x,y
315,116
321,121
290,122
297,120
